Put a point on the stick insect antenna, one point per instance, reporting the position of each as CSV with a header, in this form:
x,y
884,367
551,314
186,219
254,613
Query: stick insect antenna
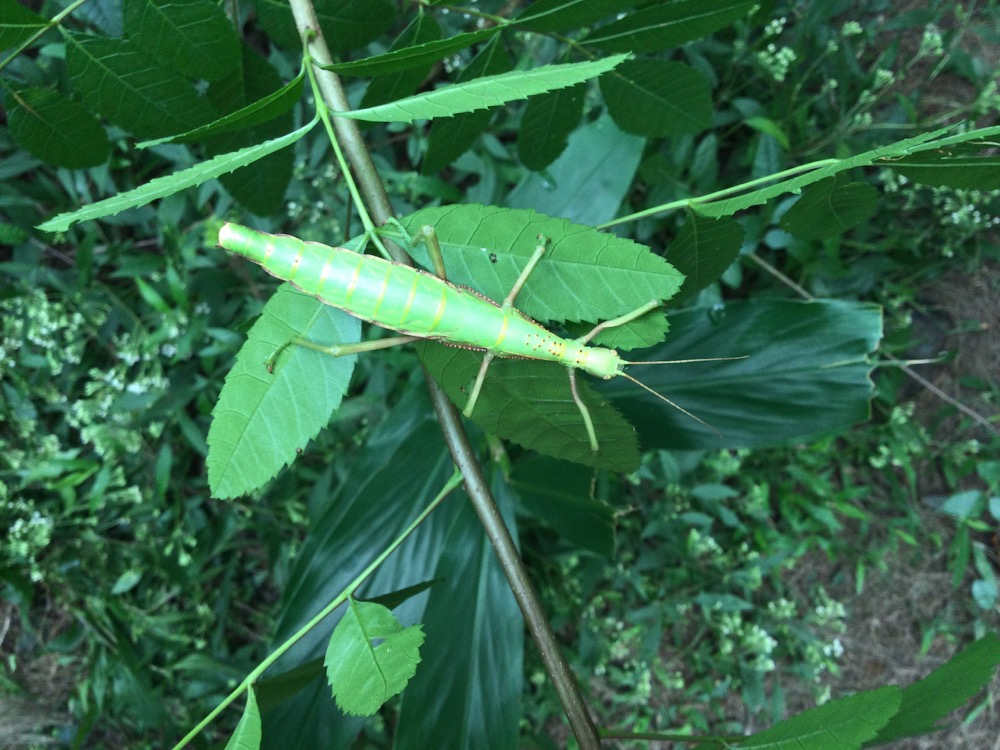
x,y
660,396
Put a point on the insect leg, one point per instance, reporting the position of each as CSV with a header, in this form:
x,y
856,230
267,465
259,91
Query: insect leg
x,y
620,320
478,385
507,304
339,350
584,411
536,256
429,236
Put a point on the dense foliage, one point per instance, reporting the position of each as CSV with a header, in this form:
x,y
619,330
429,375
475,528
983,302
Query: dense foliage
x,y
802,165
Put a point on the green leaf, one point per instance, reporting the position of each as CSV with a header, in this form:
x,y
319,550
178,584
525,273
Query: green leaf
x,y
842,724
191,36
483,93
807,373
117,79
18,24
467,692
261,186
927,702
164,186
560,15
702,251
546,125
370,658
530,403
55,129
885,156
247,734
262,420
584,276
421,30
667,24
658,98
830,208
346,24
450,138
263,110
952,167
405,58
562,496
591,178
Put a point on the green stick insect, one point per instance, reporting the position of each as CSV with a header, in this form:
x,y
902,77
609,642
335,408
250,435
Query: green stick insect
x,y
422,305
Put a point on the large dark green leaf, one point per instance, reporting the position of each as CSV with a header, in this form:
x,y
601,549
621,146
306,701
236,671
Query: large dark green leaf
x,y
702,250
658,97
560,15
17,24
955,167
346,24
830,208
120,81
262,420
563,496
467,690
262,110
546,124
261,186
663,25
57,130
422,30
588,182
191,36
807,374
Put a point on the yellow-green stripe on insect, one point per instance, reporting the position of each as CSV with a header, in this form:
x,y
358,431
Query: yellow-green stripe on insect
x,y
420,305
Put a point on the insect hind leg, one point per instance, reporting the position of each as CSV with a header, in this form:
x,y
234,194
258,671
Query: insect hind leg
x,y
338,350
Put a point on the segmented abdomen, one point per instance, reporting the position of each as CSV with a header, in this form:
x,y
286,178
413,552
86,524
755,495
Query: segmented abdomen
x,y
395,296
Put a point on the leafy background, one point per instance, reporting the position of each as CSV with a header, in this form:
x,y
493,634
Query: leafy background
x,y
135,601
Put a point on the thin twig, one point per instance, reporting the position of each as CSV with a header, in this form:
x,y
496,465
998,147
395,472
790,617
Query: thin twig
x,y
377,201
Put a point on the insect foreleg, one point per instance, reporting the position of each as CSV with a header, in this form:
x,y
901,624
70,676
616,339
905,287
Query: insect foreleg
x,y
620,320
536,256
339,350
